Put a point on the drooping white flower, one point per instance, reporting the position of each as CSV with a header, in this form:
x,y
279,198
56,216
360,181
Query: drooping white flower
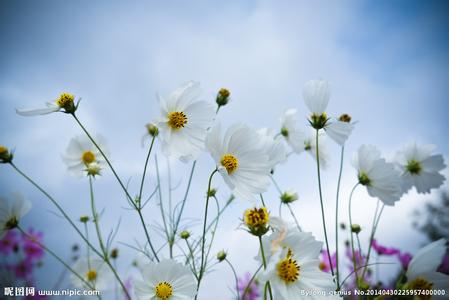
x,y
273,146
166,280
81,153
422,271
94,271
310,147
420,167
290,131
11,211
316,96
293,267
381,179
64,102
184,122
240,159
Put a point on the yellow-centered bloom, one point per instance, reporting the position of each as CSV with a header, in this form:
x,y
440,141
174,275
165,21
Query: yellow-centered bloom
x,y
65,102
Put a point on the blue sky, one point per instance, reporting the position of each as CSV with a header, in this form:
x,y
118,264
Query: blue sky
x,y
387,62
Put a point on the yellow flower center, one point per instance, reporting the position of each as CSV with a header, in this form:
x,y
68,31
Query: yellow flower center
x,y
288,269
91,275
230,162
322,266
224,93
177,119
414,167
163,290
256,217
64,100
3,150
421,284
345,118
88,157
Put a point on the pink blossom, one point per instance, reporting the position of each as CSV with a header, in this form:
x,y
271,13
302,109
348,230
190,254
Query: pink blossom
x,y
33,250
405,259
9,243
252,290
23,269
382,250
444,267
324,261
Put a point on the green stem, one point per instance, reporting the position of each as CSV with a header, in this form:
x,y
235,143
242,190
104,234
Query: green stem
x,y
100,239
336,217
203,240
145,171
352,237
373,232
55,203
161,205
235,277
321,203
261,199
267,284
192,255
178,219
294,217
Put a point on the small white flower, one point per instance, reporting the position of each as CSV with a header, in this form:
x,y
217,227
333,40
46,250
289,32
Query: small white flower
x,y
420,167
64,102
240,159
293,267
94,271
290,131
184,122
422,271
166,280
381,179
316,96
12,211
310,147
81,153
273,146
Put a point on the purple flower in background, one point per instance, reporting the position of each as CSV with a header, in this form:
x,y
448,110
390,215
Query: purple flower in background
x,y
33,251
405,259
382,250
23,269
9,242
444,267
252,290
324,261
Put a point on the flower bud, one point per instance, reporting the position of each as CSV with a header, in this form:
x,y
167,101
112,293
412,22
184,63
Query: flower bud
x,y
223,97
184,234
221,256
212,192
289,197
84,219
5,155
152,129
345,118
356,228
114,253
93,169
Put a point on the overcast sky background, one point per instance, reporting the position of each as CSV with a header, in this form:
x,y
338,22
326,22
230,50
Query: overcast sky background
x,y
387,62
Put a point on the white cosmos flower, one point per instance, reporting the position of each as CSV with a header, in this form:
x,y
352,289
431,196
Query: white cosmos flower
x,y
420,167
166,280
422,271
293,267
240,159
316,96
81,154
184,122
310,147
381,179
11,211
273,146
290,131
94,271
65,101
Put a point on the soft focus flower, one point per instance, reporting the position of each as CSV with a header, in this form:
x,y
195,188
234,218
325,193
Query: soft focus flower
x,y
165,280
5,155
64,102
380,178
9,243
290,131
32,249
420,167
289,196
241,160
12,211
444,266
273,146
295,267
252,290
316,96
94,271
221,255
256,219
325,266
382,250
22,269
81,153
421,273
404,259
184,122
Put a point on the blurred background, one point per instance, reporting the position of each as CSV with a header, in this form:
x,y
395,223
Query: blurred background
x,y
387,62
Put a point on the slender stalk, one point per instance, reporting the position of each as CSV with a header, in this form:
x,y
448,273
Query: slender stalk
x,y
55,203
56,257
178,219
145,171
120,183
203,241
192,255
373,232
267,284
245,291
261,199
235,277
294,217
100,240
321,203
161,204
351,233
336,217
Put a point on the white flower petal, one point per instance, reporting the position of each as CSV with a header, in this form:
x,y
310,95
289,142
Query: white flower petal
x,y
316,96
427,259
